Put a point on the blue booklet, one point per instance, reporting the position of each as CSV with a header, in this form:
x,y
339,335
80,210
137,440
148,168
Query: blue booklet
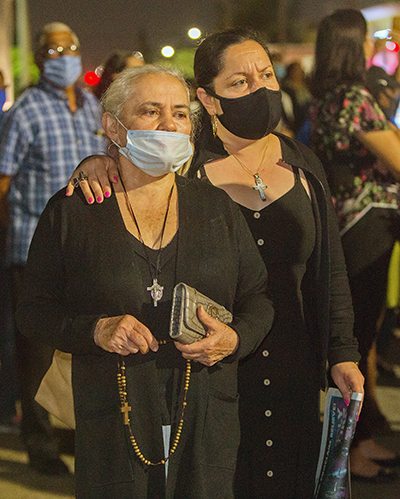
x,y
333,472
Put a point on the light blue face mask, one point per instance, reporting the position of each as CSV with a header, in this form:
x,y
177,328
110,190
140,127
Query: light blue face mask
x,y
63,71
156,152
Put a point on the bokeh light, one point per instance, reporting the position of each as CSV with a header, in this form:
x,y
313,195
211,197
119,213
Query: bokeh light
x,y
91,78
167,51
392,46
194,33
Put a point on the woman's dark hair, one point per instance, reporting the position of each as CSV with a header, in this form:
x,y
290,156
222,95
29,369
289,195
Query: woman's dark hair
x,y
339,51
115,63
208,61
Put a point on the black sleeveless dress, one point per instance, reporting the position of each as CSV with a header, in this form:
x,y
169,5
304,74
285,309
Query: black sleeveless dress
x,y
278,385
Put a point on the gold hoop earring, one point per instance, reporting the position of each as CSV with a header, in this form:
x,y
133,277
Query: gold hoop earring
x,y
214,124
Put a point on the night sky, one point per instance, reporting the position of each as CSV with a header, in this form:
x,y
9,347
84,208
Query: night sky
x,y
105,25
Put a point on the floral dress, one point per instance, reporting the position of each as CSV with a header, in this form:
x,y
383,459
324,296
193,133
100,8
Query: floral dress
x,y
361,178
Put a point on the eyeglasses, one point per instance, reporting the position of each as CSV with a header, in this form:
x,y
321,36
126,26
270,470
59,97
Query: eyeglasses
x,y
56,51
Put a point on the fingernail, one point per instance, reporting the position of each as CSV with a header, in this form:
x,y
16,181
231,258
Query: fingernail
x,y
358,417
107,194
99,199
115,179
90,200
67,193
346,402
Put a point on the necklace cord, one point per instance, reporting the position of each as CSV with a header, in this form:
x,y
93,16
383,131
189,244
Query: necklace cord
x,y
259,166
260,186
156,290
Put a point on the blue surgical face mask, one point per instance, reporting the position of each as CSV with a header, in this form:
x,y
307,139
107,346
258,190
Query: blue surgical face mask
x,y
2,99
62,71
156,152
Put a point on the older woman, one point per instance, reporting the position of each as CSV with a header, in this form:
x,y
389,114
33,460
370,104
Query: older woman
x,y
281,188
99,284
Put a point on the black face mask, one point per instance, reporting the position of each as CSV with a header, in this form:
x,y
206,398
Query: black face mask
x,y
252,116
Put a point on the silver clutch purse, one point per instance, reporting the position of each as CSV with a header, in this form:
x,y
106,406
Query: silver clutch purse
x,y
185,325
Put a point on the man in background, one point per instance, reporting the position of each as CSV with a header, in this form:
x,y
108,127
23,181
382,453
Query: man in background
x,y
50,128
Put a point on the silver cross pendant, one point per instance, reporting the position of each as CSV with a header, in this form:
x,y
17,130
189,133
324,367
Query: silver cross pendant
x,y
156,291
260,187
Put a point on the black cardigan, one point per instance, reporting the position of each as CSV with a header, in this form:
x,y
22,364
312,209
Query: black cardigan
x,y
80,268
326,293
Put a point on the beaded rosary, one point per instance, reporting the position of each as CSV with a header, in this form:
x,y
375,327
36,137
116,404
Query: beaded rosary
x,y
125,409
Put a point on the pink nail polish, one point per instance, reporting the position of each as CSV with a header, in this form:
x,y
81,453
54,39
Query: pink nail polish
x,y
346,402
107,194
90,200
115,179
99,199
67,193
358,417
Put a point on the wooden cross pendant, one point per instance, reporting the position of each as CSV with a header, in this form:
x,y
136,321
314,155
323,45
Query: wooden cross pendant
x,y
126,410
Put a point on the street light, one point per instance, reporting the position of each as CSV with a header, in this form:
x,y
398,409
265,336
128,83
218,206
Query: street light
x,y
194,33
167,51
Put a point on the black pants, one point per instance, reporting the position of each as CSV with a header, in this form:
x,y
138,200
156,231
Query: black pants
x,y
8,382
368,251
33,360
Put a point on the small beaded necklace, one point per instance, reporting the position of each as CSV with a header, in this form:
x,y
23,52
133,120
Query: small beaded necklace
x,y
125,409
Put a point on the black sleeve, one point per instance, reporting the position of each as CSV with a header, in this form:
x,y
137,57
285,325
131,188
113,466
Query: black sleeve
x,y
342,345
43,312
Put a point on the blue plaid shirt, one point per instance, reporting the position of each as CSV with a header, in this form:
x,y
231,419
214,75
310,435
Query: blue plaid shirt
x,y
41,143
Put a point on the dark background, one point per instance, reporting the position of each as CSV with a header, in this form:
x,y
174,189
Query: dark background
x,y
148,25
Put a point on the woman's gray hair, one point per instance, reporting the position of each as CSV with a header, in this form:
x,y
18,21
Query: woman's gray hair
x,y
124,86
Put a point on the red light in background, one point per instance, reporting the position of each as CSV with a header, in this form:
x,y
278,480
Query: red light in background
x,y
91,78
392,46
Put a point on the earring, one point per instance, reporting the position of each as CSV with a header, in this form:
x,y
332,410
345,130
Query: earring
x,y
214,124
